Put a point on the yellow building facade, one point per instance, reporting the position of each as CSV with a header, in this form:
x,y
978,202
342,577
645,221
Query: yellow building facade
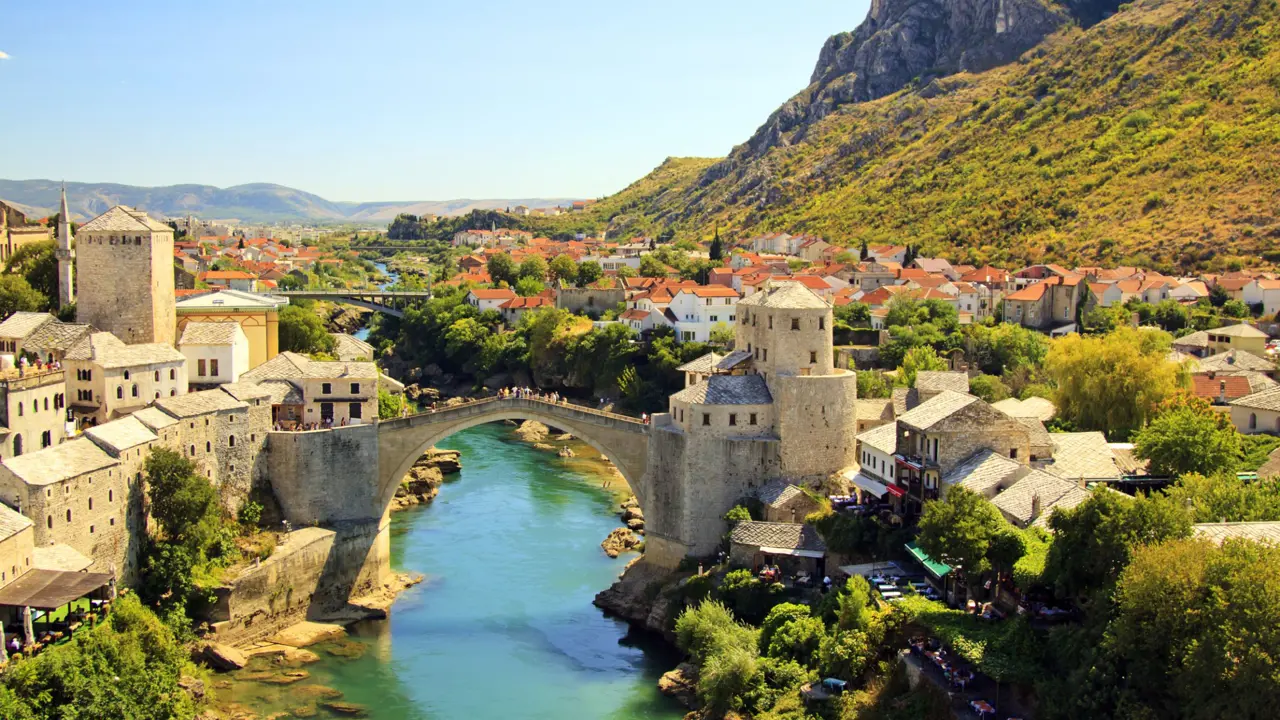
x,y
258,315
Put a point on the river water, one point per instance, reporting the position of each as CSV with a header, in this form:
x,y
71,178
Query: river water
x,y
392,279
503,626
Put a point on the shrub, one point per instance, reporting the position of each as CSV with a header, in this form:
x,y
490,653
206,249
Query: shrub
x,y
709,628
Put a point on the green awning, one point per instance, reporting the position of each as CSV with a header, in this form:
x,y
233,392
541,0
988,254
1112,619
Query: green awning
x,y
934,567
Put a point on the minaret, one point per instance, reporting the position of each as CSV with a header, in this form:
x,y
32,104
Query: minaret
x,y
66,257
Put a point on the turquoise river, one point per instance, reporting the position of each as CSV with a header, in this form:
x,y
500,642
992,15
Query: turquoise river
x,y
503,626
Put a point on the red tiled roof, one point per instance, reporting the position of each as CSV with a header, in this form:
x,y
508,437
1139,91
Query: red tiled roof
x,y
526,303
1035,291
1211,387
710,291
227,275
634,314
493,293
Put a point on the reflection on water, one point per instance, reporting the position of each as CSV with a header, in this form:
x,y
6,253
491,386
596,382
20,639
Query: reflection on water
x,y
503,626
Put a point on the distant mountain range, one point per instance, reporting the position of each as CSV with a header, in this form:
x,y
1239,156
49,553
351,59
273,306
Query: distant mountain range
x,y
255,202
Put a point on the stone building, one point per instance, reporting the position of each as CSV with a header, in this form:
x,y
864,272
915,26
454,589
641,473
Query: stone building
x,y
38,336
776,407
17,545
258,316
309,391
124,265
107,378
216,353
16,231
33,411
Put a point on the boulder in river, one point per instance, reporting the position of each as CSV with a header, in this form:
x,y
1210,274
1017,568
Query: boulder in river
x,y
619,541
338,707
532,431
681,684
223,658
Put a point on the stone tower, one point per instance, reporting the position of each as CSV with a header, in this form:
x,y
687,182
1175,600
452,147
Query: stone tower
x,y
66,257
124,265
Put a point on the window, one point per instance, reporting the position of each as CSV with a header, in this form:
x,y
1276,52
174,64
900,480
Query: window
x,y
173,391
1253,419
326,388
355,388
1013,453
355,411
706,418
200,368
232,441
50,522
764,354
126,374
795,323
111,496
173,374
770,322
120,393
157,376
751,419
90,503
822,323
68,514
208,446
733,418
193,451
135,390
19,409
813,357
213,366
46,403
46,438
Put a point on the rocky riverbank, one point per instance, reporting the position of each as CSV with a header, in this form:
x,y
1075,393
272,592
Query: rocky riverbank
x,y
647,596
421,484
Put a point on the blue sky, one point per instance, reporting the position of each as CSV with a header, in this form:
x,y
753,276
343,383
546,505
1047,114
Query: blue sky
x,y
394,99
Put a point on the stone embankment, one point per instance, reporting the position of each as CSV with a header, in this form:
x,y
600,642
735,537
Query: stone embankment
x,y
627,538
424,479
645,595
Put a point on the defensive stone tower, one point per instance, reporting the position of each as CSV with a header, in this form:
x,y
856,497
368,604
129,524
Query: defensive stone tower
x,y
66,257
124,264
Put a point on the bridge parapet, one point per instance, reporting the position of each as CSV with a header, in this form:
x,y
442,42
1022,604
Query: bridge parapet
x,y
567,410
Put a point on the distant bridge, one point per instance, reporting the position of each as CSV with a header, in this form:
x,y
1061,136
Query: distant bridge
x,y
391,302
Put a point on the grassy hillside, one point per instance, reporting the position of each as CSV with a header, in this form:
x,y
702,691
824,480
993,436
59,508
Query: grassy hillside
x,y
1151,136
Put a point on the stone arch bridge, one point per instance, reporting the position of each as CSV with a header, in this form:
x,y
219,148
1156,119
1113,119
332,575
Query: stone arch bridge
x,y
624,440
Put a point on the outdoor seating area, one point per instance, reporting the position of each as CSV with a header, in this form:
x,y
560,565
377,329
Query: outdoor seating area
x,y
894,587
46,607
957,675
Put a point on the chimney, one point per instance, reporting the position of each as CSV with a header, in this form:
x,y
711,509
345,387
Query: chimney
x,y
1035,506
1083,485
1222,392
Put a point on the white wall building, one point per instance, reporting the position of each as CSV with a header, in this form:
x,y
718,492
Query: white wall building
x,y
699,309
216,352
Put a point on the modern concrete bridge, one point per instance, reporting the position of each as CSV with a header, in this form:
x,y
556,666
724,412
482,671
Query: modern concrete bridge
x,y
624,440
391,302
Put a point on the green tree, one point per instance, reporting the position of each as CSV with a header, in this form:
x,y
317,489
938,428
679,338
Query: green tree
x,y
183,501
626,271
710,628
529,287
1094,540
915,360
721,334
854,315
988,387
389,405
855,604
1113,382
797,639
564,268
717,247
302,331
874,384
1003,347
651,266
502,269
1226,497
1235,309
958,530
534,268
1188,436
464,339
1194,631
37,263
589,271
1171,315
16,294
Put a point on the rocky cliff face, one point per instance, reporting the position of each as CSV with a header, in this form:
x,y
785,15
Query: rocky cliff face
x,y
912,41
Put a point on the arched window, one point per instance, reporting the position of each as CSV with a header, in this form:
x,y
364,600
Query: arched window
x,y
46,403
173,374
120,393
17,445
193,451
157,376
135,390
1253,421
208,447
232,440
173,391
49,521
111,496
126,374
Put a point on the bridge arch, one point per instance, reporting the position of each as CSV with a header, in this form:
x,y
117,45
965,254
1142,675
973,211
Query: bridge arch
x,y
401,442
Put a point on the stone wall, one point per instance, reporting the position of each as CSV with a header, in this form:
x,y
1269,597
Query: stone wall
x,y
589,300
326,476
817,422
127,288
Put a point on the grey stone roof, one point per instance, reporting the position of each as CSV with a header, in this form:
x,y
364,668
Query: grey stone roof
x,y
1268,399
935,381
154,418
1242,330
985,472
108,351
780,492
727,390
1231,361
1126,462
60,462
1197,339
1037,436
12,522
21,324
1017,501
792,536
120,435
1265,532
733,359
198,403
784,295
245,391
936,409
882,437
292,366
59,557
57,336
209,333
282,392
874,409
703,365
1271,468
1082,455
348,347
122,218
1036,407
